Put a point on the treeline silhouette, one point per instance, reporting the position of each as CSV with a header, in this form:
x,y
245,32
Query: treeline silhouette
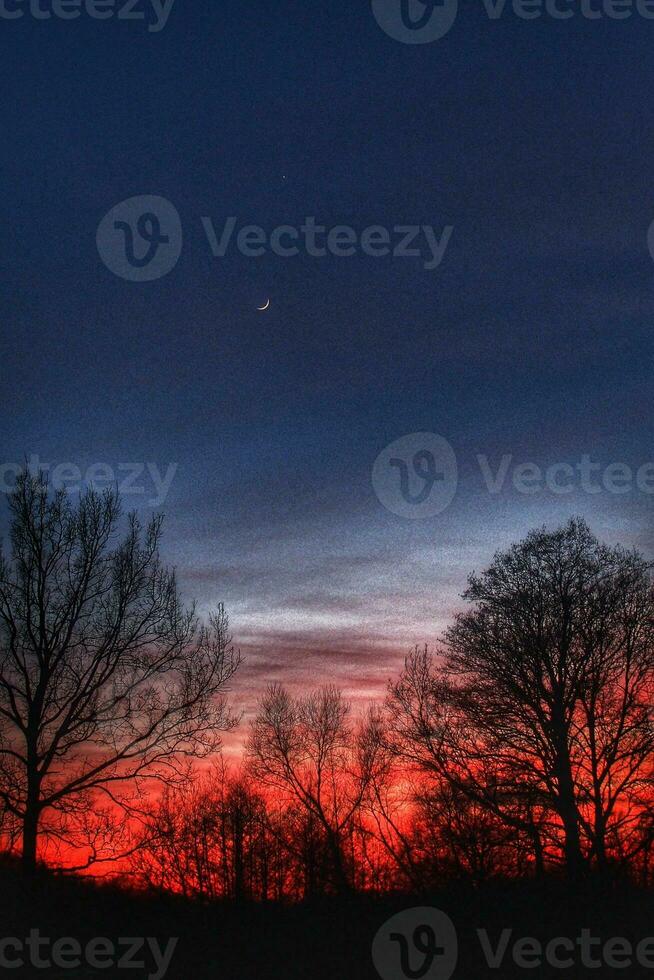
x,y
524,747
521,747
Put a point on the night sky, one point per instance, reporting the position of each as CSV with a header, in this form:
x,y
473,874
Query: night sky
x,y
532,338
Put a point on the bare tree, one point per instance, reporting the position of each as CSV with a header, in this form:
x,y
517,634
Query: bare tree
x,y
306,749
208,838
106,680
542,709
448,758
615,730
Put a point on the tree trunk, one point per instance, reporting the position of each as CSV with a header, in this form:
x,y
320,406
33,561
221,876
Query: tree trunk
x,y
533,834
600,842
566,801
567,806
239,862
341,881
32,808
30,837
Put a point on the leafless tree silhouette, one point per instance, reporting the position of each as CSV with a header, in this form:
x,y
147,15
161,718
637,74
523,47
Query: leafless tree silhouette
x,y
541,707
306,749
106,680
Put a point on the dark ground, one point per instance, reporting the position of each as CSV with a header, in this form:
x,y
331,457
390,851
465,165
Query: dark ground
x,y
331,939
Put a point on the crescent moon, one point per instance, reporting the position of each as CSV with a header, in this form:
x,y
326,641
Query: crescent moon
x,y
262,308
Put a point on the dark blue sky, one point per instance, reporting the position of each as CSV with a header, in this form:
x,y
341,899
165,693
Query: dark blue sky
x,y
533,338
